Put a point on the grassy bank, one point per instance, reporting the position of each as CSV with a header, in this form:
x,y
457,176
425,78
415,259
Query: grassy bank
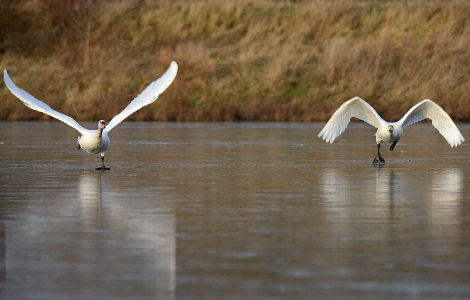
x,y
239,60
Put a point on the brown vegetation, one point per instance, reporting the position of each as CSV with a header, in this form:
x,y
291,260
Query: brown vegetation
x,y
239,60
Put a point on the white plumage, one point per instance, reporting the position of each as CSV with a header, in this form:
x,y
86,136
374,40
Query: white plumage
x,y
147,96
390,132
97,141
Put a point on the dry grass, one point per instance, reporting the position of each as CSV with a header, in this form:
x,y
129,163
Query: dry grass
x,y
239,60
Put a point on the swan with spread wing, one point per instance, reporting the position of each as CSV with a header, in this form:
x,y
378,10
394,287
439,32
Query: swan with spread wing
x,y
390,132
97,141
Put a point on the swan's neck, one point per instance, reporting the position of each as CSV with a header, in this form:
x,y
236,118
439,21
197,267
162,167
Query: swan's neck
x,y
100,131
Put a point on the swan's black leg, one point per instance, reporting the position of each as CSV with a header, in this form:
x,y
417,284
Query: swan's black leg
x,y
378,161
392,146
103,167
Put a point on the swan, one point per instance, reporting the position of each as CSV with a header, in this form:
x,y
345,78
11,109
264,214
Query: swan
x,y
390,132
97,141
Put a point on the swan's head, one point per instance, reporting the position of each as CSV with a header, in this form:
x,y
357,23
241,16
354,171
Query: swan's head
x,y
101,124
390,128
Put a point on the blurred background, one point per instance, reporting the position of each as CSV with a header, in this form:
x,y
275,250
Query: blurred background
x,y
239,60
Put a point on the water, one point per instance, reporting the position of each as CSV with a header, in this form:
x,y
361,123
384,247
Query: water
x,y
232,211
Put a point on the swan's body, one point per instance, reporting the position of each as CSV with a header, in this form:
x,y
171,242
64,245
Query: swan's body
x,y
97,141
390,132
94,141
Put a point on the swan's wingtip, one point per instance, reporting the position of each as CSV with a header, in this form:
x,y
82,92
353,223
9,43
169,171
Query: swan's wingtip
x,y
357,98
325,139
457,143
428,100
173,69
321,136
6,77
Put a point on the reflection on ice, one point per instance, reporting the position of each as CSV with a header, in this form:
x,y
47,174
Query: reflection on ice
x,y
335,191
446,193
232,210
155,234
91,193
380,197
386,184
445,203
83,222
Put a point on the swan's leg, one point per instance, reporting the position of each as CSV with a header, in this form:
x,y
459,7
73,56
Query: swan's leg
x,y
392,146
378,161
103,167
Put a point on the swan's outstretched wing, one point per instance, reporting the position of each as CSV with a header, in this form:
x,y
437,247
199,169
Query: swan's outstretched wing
x,y
148,95
355,107
440,120
38,105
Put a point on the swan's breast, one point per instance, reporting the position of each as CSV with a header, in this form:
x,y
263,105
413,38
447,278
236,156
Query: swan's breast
x,y
92,143
384,135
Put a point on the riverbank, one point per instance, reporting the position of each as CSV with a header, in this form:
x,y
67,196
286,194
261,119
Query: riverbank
x,y
243,60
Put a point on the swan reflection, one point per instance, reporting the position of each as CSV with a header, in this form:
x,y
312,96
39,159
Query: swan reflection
x,y
386,184
343,192
103,206
393,196
336,192
446,190
444,202
91,188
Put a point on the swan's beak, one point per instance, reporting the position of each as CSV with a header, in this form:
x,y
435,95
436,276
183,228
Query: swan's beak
x,y
102,124
390,128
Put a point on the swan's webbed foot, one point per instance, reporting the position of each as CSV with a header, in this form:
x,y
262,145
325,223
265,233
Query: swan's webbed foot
x,y
392,146
378,161
103,168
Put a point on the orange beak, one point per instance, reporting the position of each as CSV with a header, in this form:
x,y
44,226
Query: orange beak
x,y
102,125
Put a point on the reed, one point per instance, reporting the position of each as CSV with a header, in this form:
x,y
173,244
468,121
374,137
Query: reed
x,y
239,60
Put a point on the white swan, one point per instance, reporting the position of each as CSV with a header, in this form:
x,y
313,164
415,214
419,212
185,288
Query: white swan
x,y
390,132
97,141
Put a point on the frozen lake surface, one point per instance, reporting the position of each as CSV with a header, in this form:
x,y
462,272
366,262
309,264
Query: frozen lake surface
x,y
232,211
